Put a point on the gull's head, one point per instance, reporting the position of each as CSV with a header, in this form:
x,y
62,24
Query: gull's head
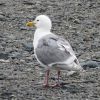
x,y
41,21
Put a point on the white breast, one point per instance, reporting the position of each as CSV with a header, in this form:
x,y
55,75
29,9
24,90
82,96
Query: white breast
x,y
39,33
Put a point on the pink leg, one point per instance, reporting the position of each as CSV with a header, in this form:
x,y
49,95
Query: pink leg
x,y
58,77
46,83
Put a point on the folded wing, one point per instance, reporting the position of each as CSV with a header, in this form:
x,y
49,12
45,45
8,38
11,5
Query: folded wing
x,y
52,49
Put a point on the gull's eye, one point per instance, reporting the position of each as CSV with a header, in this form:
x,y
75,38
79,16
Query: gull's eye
x,y
37,20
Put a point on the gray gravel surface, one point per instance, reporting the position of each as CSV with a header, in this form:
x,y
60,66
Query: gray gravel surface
x,y
20,76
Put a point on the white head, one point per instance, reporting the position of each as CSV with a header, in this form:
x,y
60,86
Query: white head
x,y
41,21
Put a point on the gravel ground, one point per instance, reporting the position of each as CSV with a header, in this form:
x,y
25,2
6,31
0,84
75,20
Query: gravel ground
x,y
20,76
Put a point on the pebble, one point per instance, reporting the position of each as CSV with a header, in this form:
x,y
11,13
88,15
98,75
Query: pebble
x,y
28,46
2,18
89,64
4,56
15,55
28,3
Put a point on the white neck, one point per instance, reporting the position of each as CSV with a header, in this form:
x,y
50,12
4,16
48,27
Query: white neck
x,y
39,33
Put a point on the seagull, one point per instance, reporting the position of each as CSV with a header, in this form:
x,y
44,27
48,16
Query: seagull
x,y
52,51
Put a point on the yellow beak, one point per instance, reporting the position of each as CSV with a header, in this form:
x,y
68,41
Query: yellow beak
x,y
30,24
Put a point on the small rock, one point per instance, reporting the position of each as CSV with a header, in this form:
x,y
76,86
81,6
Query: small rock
x,y
97,55
6,95
2,18
2,76
89,64
28,46
15,55
4,56
72,73
28,3
4,61
2,4
77,21
41,98
23,28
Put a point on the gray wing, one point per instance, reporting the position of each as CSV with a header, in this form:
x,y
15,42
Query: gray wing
x,y
53,49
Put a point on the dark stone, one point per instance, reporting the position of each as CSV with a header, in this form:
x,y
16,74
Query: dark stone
x,y
6,95
89,64
2,4
77,21
2,18
15,55
28,3
28,46
4,56
2,77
